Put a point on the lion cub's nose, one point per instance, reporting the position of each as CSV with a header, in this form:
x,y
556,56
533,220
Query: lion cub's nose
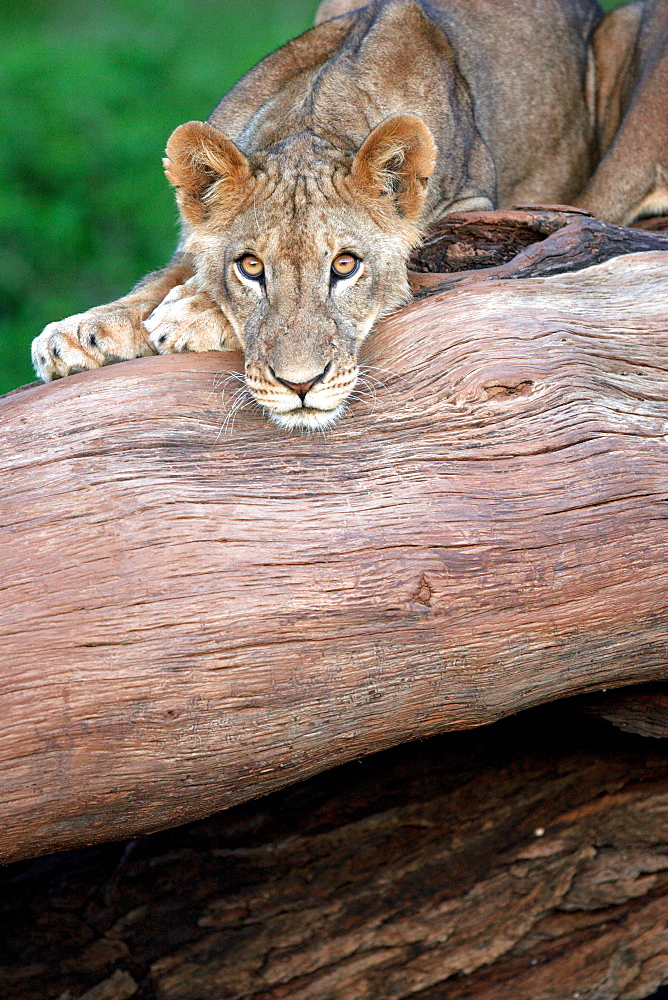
x,y
301,388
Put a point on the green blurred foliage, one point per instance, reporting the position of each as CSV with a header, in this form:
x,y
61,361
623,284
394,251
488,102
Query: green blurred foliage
x,y
90,94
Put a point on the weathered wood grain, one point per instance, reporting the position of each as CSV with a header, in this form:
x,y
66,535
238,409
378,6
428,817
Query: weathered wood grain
x,y
192,614
529,243
523,861
642,710
467,241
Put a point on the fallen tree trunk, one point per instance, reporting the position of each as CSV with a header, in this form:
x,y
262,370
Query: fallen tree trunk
x,y
643,710
193,614
529,243
524,861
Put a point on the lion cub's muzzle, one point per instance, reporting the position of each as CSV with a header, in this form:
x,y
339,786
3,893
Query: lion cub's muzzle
x,y
301,401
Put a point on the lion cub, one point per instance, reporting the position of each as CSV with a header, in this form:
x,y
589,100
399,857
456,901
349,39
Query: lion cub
x,y
303,195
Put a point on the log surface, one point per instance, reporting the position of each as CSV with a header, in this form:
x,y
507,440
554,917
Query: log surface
x,y
531,243
526,861
192,614
641,710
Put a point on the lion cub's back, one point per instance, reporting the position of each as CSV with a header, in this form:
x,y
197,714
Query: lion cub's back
x,y
526,63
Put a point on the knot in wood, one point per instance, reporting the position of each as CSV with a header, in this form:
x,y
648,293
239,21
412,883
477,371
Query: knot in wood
x,y
523,388
423,593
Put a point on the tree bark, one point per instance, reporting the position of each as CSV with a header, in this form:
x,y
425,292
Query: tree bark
x,y
524,861
641,710
196,608
530,243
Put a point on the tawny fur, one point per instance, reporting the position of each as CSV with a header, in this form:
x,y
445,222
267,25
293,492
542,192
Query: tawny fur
x,y
354,138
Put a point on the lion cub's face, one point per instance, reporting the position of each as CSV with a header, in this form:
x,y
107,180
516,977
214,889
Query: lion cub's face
x,y
304,249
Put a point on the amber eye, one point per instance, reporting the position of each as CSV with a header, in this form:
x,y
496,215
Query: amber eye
x,y
344,265
251,266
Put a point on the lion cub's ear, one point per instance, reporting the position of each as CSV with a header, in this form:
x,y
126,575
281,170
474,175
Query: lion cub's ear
x,y
396,160
198,156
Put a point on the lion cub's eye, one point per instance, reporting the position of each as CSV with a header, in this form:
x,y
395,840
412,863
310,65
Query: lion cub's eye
x,y
344,265
251,266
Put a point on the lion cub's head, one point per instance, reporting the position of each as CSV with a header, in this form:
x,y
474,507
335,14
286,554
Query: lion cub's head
x,y
304,247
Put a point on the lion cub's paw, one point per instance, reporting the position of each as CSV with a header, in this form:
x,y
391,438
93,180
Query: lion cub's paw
x,y
189,320
89,340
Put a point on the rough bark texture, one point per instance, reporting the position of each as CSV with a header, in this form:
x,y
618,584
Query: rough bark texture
x,y
525,861
196,610
534,243
638,710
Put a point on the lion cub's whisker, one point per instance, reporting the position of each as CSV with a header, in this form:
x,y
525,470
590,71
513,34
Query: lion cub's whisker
x,y
220,379
238,376
229,377
238,400
375,385
237,396
367,369
228,424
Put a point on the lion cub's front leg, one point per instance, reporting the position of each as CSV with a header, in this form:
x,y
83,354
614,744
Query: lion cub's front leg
x,y
100,336
189,320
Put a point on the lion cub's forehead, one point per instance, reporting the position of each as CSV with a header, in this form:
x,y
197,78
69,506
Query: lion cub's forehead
x,y
296,206
295,185
302,155
304,228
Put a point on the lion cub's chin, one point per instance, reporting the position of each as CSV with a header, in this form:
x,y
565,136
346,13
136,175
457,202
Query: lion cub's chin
x,y
306,418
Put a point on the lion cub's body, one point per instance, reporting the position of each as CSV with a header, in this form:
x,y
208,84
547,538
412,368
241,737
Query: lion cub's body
x,y
345,145
499,83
